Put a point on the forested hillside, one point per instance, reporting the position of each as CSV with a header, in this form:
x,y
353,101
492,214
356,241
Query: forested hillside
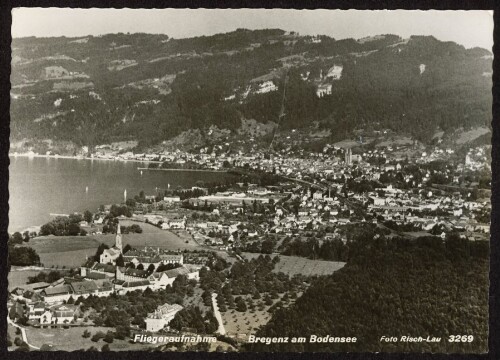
x,y
151,88
394,287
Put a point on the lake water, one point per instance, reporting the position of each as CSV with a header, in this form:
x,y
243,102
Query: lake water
x,y
41,186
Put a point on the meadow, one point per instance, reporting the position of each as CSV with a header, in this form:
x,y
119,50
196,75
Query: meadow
x,y
71,251
293,265
71,339
18,278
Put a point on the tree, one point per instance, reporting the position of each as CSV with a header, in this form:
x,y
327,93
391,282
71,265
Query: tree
x,y
105,348
140,267
98,336
122,332
73,229
151,268
23,256
88,216
109,337
23,347
130,202
127,248
119,261
86,334
17,341
26,236
17,238
241,305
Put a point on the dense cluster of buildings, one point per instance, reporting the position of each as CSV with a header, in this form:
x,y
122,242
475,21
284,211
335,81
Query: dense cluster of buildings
x,y
148,268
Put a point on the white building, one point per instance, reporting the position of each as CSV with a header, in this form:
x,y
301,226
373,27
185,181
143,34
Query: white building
x,y
324,89
161,317
266,87
335,72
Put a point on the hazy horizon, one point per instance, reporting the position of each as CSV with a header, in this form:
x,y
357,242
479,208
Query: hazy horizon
x,y
468,28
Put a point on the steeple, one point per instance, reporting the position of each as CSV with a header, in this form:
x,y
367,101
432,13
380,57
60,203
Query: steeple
x,y
118,238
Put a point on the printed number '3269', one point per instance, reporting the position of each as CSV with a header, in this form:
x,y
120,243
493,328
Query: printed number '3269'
x,y
461,338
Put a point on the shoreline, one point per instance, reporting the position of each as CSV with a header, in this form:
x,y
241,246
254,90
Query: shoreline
x,y
201,170
81,158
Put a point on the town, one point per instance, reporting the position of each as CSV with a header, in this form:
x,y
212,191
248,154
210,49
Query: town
x,y
287,205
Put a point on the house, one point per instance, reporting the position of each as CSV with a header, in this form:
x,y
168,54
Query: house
x,y
83,288
161,317
146,261
171,199
324,89
160,280
318,195
172,258
377,201
173,224
191,271
62,314
335,72
124,287
35,310
131,274
266,86
56,294
94,271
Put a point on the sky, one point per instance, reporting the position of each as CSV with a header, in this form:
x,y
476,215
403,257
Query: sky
x,y
468,28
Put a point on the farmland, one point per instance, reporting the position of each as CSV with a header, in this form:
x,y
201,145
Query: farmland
x,y
292,265
246,323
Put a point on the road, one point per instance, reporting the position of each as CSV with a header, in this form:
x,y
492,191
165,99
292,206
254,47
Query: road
x,y
218,316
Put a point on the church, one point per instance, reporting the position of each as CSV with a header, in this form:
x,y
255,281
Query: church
x,y
109,256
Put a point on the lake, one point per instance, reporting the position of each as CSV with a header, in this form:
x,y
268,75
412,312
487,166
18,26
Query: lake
x,y
41,186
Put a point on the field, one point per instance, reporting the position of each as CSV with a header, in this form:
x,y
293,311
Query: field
x,y
51,244
66,259
293,265
18,278
71,339
395,141
71,251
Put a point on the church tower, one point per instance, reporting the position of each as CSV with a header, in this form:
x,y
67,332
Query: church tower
x,y
118,238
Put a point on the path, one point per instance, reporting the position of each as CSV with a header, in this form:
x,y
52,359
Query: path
x,y
218,316
23,333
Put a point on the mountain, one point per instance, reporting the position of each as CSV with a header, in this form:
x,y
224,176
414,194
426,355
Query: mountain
x,y
151,89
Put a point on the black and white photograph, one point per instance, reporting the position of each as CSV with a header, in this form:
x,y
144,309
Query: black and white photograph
x,y
249,180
